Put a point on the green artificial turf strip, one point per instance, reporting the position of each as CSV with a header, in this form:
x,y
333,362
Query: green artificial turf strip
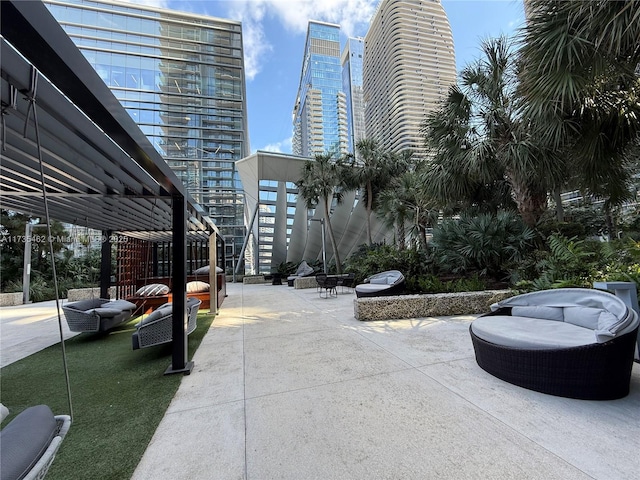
x,y
119,397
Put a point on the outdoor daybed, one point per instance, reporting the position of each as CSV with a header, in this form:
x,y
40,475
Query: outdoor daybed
x,y
304,270
153,292
30,443
97,314
570,342
381,284
157,328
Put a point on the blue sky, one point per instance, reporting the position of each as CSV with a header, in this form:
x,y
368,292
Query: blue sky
x,y
274,33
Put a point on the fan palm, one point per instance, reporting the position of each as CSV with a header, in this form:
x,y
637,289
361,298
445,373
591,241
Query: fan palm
x,y
317,185
580,90
480,142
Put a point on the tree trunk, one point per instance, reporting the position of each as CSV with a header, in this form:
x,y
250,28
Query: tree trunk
x,y
369,209
332,238
559,208
531,202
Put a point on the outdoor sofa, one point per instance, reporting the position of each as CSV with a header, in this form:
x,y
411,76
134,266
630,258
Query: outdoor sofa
x,y
157,327
390,282
97,314
30,443
570,342
303,270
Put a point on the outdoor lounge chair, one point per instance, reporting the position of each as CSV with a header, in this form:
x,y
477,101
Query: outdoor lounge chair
x,y
157,328
30,443
570,342
304,270
381,284
97,315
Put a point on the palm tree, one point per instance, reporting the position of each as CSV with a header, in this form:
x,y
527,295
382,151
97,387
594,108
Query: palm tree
x,y
317,185
480,140
370,171
406,202
580,63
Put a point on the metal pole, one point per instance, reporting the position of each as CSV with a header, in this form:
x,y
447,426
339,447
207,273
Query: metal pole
x,y
26,270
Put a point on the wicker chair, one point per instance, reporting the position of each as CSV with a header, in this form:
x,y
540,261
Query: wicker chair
x,y
576,343
157,328
381,284
30,442
97,315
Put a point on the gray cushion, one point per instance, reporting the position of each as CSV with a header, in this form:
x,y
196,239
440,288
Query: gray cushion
x,y
537,311
203,270
24,440
531,333
105,312
368,287
163,311
586,317
119,304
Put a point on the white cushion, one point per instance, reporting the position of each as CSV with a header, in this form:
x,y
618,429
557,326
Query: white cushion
x,y
531,333
537,311
197,287
153,290
586,317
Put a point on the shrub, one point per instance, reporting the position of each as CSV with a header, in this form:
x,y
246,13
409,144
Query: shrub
x,y
368,260
490,244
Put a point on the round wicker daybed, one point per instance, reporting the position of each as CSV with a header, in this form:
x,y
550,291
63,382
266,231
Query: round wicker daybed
x,y
570,342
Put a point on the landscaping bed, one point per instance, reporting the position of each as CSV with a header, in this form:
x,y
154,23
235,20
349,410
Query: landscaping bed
x,y
426,305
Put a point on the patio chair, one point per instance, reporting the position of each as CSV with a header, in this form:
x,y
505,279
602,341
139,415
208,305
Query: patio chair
x,y
347,281
97,315
390,282
328,284
30,443
570,342
157,328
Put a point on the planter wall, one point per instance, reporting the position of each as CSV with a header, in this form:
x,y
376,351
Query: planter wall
x,y
10,299
426,305
77,294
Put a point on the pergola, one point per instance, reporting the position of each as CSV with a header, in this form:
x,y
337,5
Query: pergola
x,y
62,126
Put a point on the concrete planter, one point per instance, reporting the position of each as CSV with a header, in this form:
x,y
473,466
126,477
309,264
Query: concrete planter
x,y
426,305
77,294
254,279
10,299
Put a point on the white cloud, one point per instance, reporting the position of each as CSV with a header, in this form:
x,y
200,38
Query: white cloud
x,y
283,146
353,16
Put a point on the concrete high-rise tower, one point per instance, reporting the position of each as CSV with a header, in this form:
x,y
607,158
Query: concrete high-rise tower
x,y
320,110
409,64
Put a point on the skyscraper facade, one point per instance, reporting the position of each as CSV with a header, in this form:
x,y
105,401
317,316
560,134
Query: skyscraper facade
x,y
352,59
320,111
409,64
181,78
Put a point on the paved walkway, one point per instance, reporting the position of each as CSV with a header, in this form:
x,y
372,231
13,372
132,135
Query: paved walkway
x,y
288,385
27,329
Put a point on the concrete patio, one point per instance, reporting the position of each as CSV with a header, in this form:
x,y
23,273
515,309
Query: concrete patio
x,y
288,385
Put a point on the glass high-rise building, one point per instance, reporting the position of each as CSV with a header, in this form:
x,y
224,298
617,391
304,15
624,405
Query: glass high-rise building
x,y
409,65
320,111
352,58
181,78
